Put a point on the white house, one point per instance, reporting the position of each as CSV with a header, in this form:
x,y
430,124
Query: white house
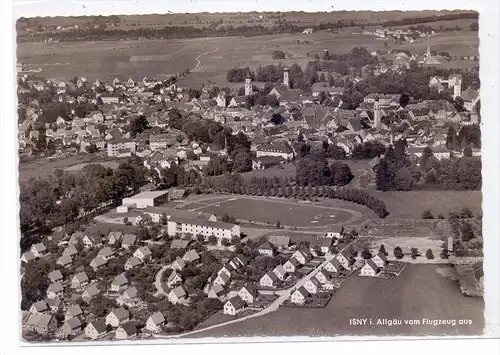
x,y
126,331
221,279
344,260
178,264
248,294
132,262
155,322
322,276
226,269
291,264
269,280
299,296
119,283
302,256
95,329
267,249
280,272
117,317
174,278
334,266
216,291
55,290
177,295
380,260
234,306
39,250
369,269
79,281
312,285
143,253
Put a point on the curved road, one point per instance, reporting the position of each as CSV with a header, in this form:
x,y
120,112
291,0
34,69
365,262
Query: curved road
x,y
201,55
283,295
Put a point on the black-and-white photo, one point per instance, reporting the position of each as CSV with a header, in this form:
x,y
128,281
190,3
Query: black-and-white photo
x,y
200,175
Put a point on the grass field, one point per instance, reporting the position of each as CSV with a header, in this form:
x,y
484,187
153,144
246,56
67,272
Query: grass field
x,y
411,204
211,58
419,292
106,164
287,213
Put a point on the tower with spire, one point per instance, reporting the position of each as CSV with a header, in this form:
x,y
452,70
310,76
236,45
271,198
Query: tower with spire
x,y
376,114
248,85
286,76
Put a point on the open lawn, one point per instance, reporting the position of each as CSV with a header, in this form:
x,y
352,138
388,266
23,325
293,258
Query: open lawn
x,y
106,164
419,292
211,58
288,213
411,204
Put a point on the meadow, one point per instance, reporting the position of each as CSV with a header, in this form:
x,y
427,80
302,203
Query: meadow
x,y
211,58
419,292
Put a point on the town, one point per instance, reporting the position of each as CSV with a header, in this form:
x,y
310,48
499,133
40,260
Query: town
x,y
189,207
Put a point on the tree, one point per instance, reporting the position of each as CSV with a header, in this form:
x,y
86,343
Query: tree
x,y
225,242
414,253
398,252
474,26
278,225
466,213
382,250
427,214
242,162
212,239
468,151
366,253
235,239
444,254
459,104
277,54
403,180
276,119
404,99
429,255
467,231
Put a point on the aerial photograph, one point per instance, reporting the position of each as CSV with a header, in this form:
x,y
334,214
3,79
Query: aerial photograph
x,y
249,174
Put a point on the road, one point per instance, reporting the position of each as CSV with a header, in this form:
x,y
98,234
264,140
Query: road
x,y
201,55
283,295
158,278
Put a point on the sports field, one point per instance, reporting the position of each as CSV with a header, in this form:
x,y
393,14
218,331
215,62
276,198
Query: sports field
x,y
211,58
265,211
419,292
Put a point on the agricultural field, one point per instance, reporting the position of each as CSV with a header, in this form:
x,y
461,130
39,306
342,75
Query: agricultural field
x,y
419,292
211,58
411,204
271,211
42,167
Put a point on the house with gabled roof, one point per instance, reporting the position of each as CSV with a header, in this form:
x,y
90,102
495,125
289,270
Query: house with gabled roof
x,y
177,295
248,293
55,276
191,256
117,317
269,280
179,244
291,264
174,278
119,283
79,281
128,241
64,261
178,264
222,279
90,292
216,291
132,262
334,266
155,322
39,250
380,260
143,253
266,248
73,311
303,256
369,269
280,272
322,276
70,251
115,237
91,240
233,306
55,290
226,269
126,331
344,259
41,323
299,296
107,253
96,328
312,285
39,307
27,257
98,262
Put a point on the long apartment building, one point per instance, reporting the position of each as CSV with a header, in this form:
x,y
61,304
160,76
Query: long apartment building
x,y
118,147
195,226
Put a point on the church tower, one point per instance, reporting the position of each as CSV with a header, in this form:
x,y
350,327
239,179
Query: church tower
x,y
428,53
376,114
248,85
286,76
